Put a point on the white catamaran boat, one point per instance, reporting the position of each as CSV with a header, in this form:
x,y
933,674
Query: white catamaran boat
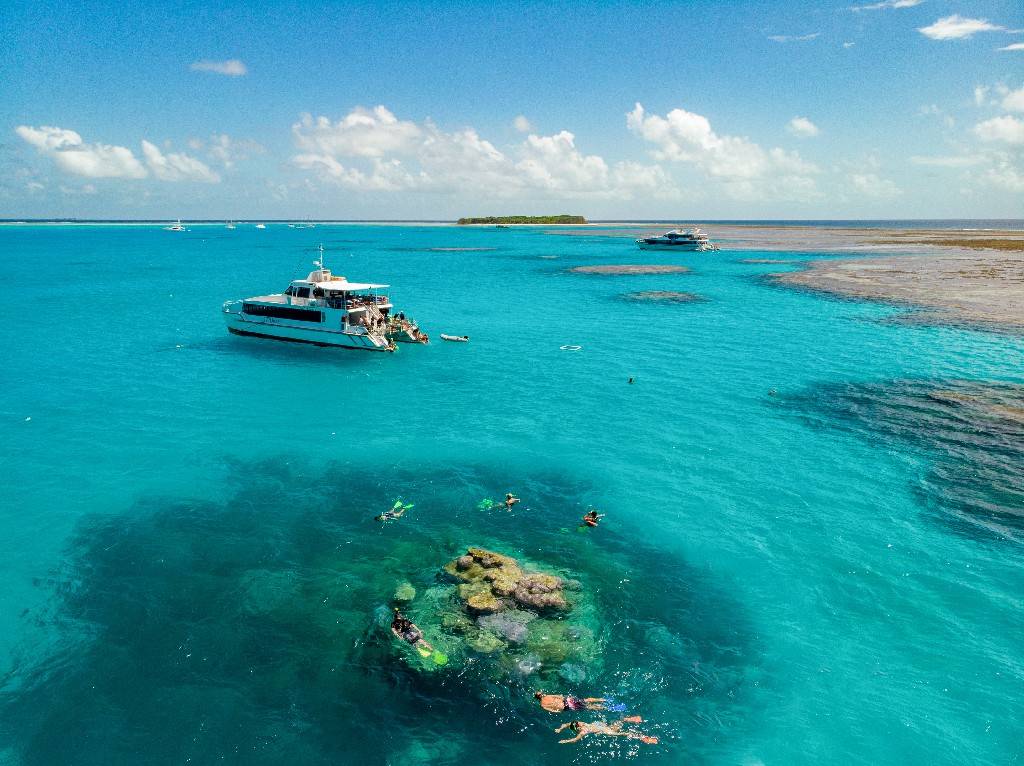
x,y
175,227
678,239
326,310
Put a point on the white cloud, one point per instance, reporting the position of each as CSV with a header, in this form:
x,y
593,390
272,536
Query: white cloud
x,y
887,4
176,167
230,68
1006,176
361,133
374,150
1013,47
871,185
955,161
1013,100
848,45
802,127
745,168
957,27
793,38
227,150
522,124
980,94
1006,129
66,148
34,186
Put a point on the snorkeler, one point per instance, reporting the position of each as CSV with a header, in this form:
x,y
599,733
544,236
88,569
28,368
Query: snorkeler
x,y
510,500
395,511
607,729
556,703
404,629
590,518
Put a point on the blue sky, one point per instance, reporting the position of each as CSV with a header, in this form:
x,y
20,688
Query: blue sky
x,y
901,108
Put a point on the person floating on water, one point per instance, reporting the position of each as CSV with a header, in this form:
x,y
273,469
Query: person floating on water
x,y
556,703
590,518
510,500
630,380
404,629
606,729
395,511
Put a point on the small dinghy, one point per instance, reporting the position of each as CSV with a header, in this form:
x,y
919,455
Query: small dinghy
x,y
455,338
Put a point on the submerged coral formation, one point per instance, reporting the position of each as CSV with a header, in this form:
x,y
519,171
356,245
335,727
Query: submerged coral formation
x,y
630,268
527,620
662,296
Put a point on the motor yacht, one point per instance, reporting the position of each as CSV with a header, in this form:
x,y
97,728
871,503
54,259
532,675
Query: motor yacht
x,y
325,309
678,239
175,227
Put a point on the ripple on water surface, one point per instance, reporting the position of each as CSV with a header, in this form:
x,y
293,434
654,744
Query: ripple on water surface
x,y
254,630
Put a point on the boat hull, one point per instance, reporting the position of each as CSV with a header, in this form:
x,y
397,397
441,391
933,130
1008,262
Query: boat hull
x,y
296,333
687,248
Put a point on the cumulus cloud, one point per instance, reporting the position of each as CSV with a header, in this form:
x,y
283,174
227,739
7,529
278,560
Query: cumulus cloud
x,y
175,166
73,155
1005,176
802,127
1013,47
361,133
887,4
744,167
522,124
1013,100
871,185
371,149
793,38
227,150
980,94
229,68
957,27
1005,129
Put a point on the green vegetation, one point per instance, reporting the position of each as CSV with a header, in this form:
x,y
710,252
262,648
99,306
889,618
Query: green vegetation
x,y
506,219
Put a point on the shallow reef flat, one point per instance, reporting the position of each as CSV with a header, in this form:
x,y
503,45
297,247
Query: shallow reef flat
x,y
976,288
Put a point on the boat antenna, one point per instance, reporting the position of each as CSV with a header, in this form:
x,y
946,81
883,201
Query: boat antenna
x,y
319,262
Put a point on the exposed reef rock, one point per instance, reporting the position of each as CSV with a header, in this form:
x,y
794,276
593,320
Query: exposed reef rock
x,y
630,268
493,583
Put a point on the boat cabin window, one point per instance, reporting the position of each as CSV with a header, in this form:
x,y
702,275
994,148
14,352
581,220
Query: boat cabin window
x,y
303,292
298,292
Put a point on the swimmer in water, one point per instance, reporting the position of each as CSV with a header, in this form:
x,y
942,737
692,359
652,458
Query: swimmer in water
x,y
556,703
615,729
591,518
510,500
630,380
404,629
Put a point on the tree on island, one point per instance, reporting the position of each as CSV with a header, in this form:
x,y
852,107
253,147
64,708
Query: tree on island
x,y
542,219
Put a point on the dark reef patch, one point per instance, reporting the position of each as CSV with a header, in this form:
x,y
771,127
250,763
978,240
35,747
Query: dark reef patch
x,y
630,269
249,630
973,432
662,296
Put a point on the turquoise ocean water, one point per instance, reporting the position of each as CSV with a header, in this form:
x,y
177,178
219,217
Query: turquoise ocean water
x,y
815,513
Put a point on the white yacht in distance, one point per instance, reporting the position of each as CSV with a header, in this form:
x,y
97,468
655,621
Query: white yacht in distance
x,y
326,310
678,239
230,225
261,226
175,227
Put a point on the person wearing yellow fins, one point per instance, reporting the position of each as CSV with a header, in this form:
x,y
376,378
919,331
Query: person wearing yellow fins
x,y
404,629
582,729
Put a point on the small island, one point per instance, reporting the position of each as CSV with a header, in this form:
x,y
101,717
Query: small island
x,y
522,219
